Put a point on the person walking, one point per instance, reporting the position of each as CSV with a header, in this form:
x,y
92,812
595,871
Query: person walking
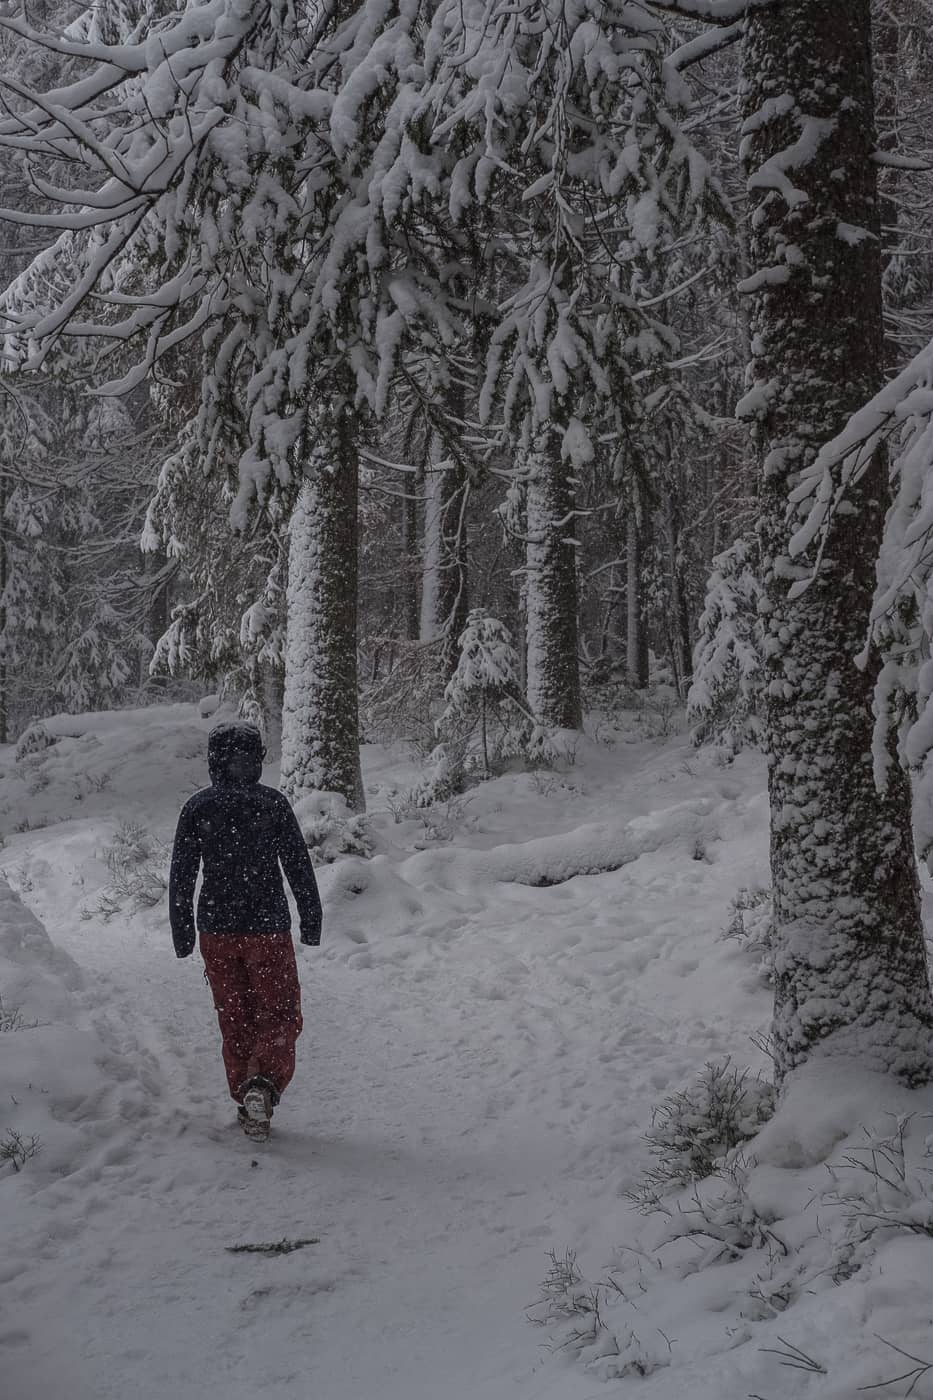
x,y
244,835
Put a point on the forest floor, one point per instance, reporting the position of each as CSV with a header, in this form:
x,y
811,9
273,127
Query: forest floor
x,y
486,1034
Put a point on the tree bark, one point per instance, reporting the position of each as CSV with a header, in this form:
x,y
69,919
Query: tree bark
x,y
4,640
636,635
320,712
850,965
553,673
444,590
410,546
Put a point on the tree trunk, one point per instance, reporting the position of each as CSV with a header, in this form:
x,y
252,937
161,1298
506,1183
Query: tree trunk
x,y
4,640
410,542
636,635
850,965
887,64
553,673
156,619
320,713
444,592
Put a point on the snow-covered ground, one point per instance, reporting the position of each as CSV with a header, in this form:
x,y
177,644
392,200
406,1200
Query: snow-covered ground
x,y
486,1034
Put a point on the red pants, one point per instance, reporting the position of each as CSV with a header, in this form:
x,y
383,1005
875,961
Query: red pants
x,y
254,979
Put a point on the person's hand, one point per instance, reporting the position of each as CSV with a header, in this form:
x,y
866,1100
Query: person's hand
x,y
311,938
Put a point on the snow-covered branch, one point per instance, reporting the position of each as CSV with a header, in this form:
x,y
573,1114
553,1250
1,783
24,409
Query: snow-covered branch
x,y
725,12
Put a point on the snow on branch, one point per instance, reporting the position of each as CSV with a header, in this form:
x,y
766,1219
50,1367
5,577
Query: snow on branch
x,y
841,462
712,11
901,623
303,214
703,46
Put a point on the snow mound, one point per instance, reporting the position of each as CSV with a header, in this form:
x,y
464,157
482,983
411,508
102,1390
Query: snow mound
x,y
592,849
806,1256
79,766
49,1064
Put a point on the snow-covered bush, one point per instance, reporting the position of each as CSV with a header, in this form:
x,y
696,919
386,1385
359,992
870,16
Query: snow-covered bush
x,y
483,696
12,1019
720,1219
659,715
443,779
34,739
751,925
725,696
330,829
573,1311
138,865
693,1129
881,1188
16,1149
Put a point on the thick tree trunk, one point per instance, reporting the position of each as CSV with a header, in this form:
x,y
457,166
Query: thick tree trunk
x,y
320,713
553,673
850,964
444,588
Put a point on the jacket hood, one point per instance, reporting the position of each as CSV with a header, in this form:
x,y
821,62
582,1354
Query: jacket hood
x,y
234,753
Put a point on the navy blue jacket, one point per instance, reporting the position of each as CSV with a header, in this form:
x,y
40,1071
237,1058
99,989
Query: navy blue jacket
x,y
245,835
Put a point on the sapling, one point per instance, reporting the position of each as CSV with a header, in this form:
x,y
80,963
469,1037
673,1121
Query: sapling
x,y
484,684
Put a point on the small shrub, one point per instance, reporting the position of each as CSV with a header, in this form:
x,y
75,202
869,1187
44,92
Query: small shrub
x,y
22,878
444,778
720,1218
572,1309
16,1149
660,716
330,829
752,926
37,781
566,1298
439,818
726,696
107,907
693,1129
91,782
137,863
880,1188
12,1019
34,739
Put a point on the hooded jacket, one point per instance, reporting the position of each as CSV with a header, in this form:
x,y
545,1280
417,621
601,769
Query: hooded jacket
x,y
245,835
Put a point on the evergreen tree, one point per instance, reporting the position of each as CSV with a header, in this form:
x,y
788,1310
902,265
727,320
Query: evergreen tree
x,y
850,966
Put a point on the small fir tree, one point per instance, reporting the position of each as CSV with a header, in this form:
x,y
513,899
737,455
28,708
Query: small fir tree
x,y
726,697
485,682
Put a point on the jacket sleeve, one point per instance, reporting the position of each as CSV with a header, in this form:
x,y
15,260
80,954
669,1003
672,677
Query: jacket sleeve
x,y
293,853
186,861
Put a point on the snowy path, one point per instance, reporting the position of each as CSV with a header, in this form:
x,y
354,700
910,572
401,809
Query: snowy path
x,y
473,1082
433,1225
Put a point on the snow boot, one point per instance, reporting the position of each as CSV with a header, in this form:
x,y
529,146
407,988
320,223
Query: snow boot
x,y
256,1113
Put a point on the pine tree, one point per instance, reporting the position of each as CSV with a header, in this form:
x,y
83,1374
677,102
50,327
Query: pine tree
x,y
725,699
850,967
484,685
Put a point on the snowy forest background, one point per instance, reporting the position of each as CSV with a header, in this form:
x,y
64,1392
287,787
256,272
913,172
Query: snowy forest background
x,y
501,388
423,370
